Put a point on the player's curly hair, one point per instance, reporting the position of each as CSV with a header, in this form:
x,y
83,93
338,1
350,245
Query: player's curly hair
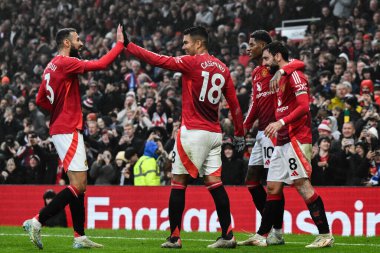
x,y
261,35
277,47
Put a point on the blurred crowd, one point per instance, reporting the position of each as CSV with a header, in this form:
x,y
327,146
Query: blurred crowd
x,y
132,110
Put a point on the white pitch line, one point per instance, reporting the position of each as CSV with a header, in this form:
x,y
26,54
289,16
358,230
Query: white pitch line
x,y
186,239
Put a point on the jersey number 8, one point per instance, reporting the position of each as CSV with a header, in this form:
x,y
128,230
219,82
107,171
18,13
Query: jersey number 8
x,y
214,88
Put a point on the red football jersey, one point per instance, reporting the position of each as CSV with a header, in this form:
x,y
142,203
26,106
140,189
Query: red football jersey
x,y
205,79
261,107
262,99
59,90
299,129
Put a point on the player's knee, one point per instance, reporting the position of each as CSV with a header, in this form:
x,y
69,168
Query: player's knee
x,y
274,188
80,187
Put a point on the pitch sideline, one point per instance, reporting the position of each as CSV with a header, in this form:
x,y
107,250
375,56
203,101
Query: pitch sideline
x,y
187,239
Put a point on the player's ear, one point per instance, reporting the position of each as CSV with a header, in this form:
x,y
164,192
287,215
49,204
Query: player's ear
x,y
277,57
66,42
199,43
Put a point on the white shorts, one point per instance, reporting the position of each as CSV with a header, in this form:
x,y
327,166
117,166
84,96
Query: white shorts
x,y
289,162
71,151
262,151
197,152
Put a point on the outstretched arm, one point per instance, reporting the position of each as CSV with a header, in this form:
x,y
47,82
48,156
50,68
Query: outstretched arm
x,y
289,68
77,66
237,116
180,63
251,115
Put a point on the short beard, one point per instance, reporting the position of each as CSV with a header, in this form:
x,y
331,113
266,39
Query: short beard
x,y
273,69
74,52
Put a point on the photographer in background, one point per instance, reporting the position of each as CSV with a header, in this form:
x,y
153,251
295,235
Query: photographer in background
x,y
9,147
102,170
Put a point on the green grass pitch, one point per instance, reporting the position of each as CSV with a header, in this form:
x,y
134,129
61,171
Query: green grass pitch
x,y
14,239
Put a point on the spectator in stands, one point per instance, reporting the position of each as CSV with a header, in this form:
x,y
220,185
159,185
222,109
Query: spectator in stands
x,y
24,153
233,168
323,163
102,170
58,220
129,106
346,34
34,171
358,171
12,174
129,139
37,118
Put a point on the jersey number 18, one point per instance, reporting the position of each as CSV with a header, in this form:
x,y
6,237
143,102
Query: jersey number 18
x,y
215,88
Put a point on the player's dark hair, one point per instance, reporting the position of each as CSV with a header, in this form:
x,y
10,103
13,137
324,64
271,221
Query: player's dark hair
x,y
261,35
198,33
277,47
63,34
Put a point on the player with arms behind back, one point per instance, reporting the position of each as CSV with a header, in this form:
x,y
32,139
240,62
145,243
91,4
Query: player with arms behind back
x,y
59,94
290,162
198,144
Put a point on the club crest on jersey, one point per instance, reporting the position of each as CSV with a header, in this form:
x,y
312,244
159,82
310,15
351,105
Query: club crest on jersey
x,y
264,72
279,102
258,85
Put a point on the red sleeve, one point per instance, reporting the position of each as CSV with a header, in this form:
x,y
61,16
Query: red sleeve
x,y
41,99
302,109
237,116
252,113
77,66
180,63
293,65
299,86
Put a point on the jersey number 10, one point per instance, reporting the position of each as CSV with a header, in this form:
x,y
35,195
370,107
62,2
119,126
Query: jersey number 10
x,y
215,88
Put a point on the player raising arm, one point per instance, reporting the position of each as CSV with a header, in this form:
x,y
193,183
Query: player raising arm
x,y
59,94
198,144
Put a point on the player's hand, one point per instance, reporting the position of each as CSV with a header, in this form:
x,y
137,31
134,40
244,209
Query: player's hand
x,y
126,40
239,143
272,129
275,81
120,34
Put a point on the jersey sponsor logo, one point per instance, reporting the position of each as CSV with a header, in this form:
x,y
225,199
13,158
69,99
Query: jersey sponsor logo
x,y
206,64
301,87
282,109
264,72
264,94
